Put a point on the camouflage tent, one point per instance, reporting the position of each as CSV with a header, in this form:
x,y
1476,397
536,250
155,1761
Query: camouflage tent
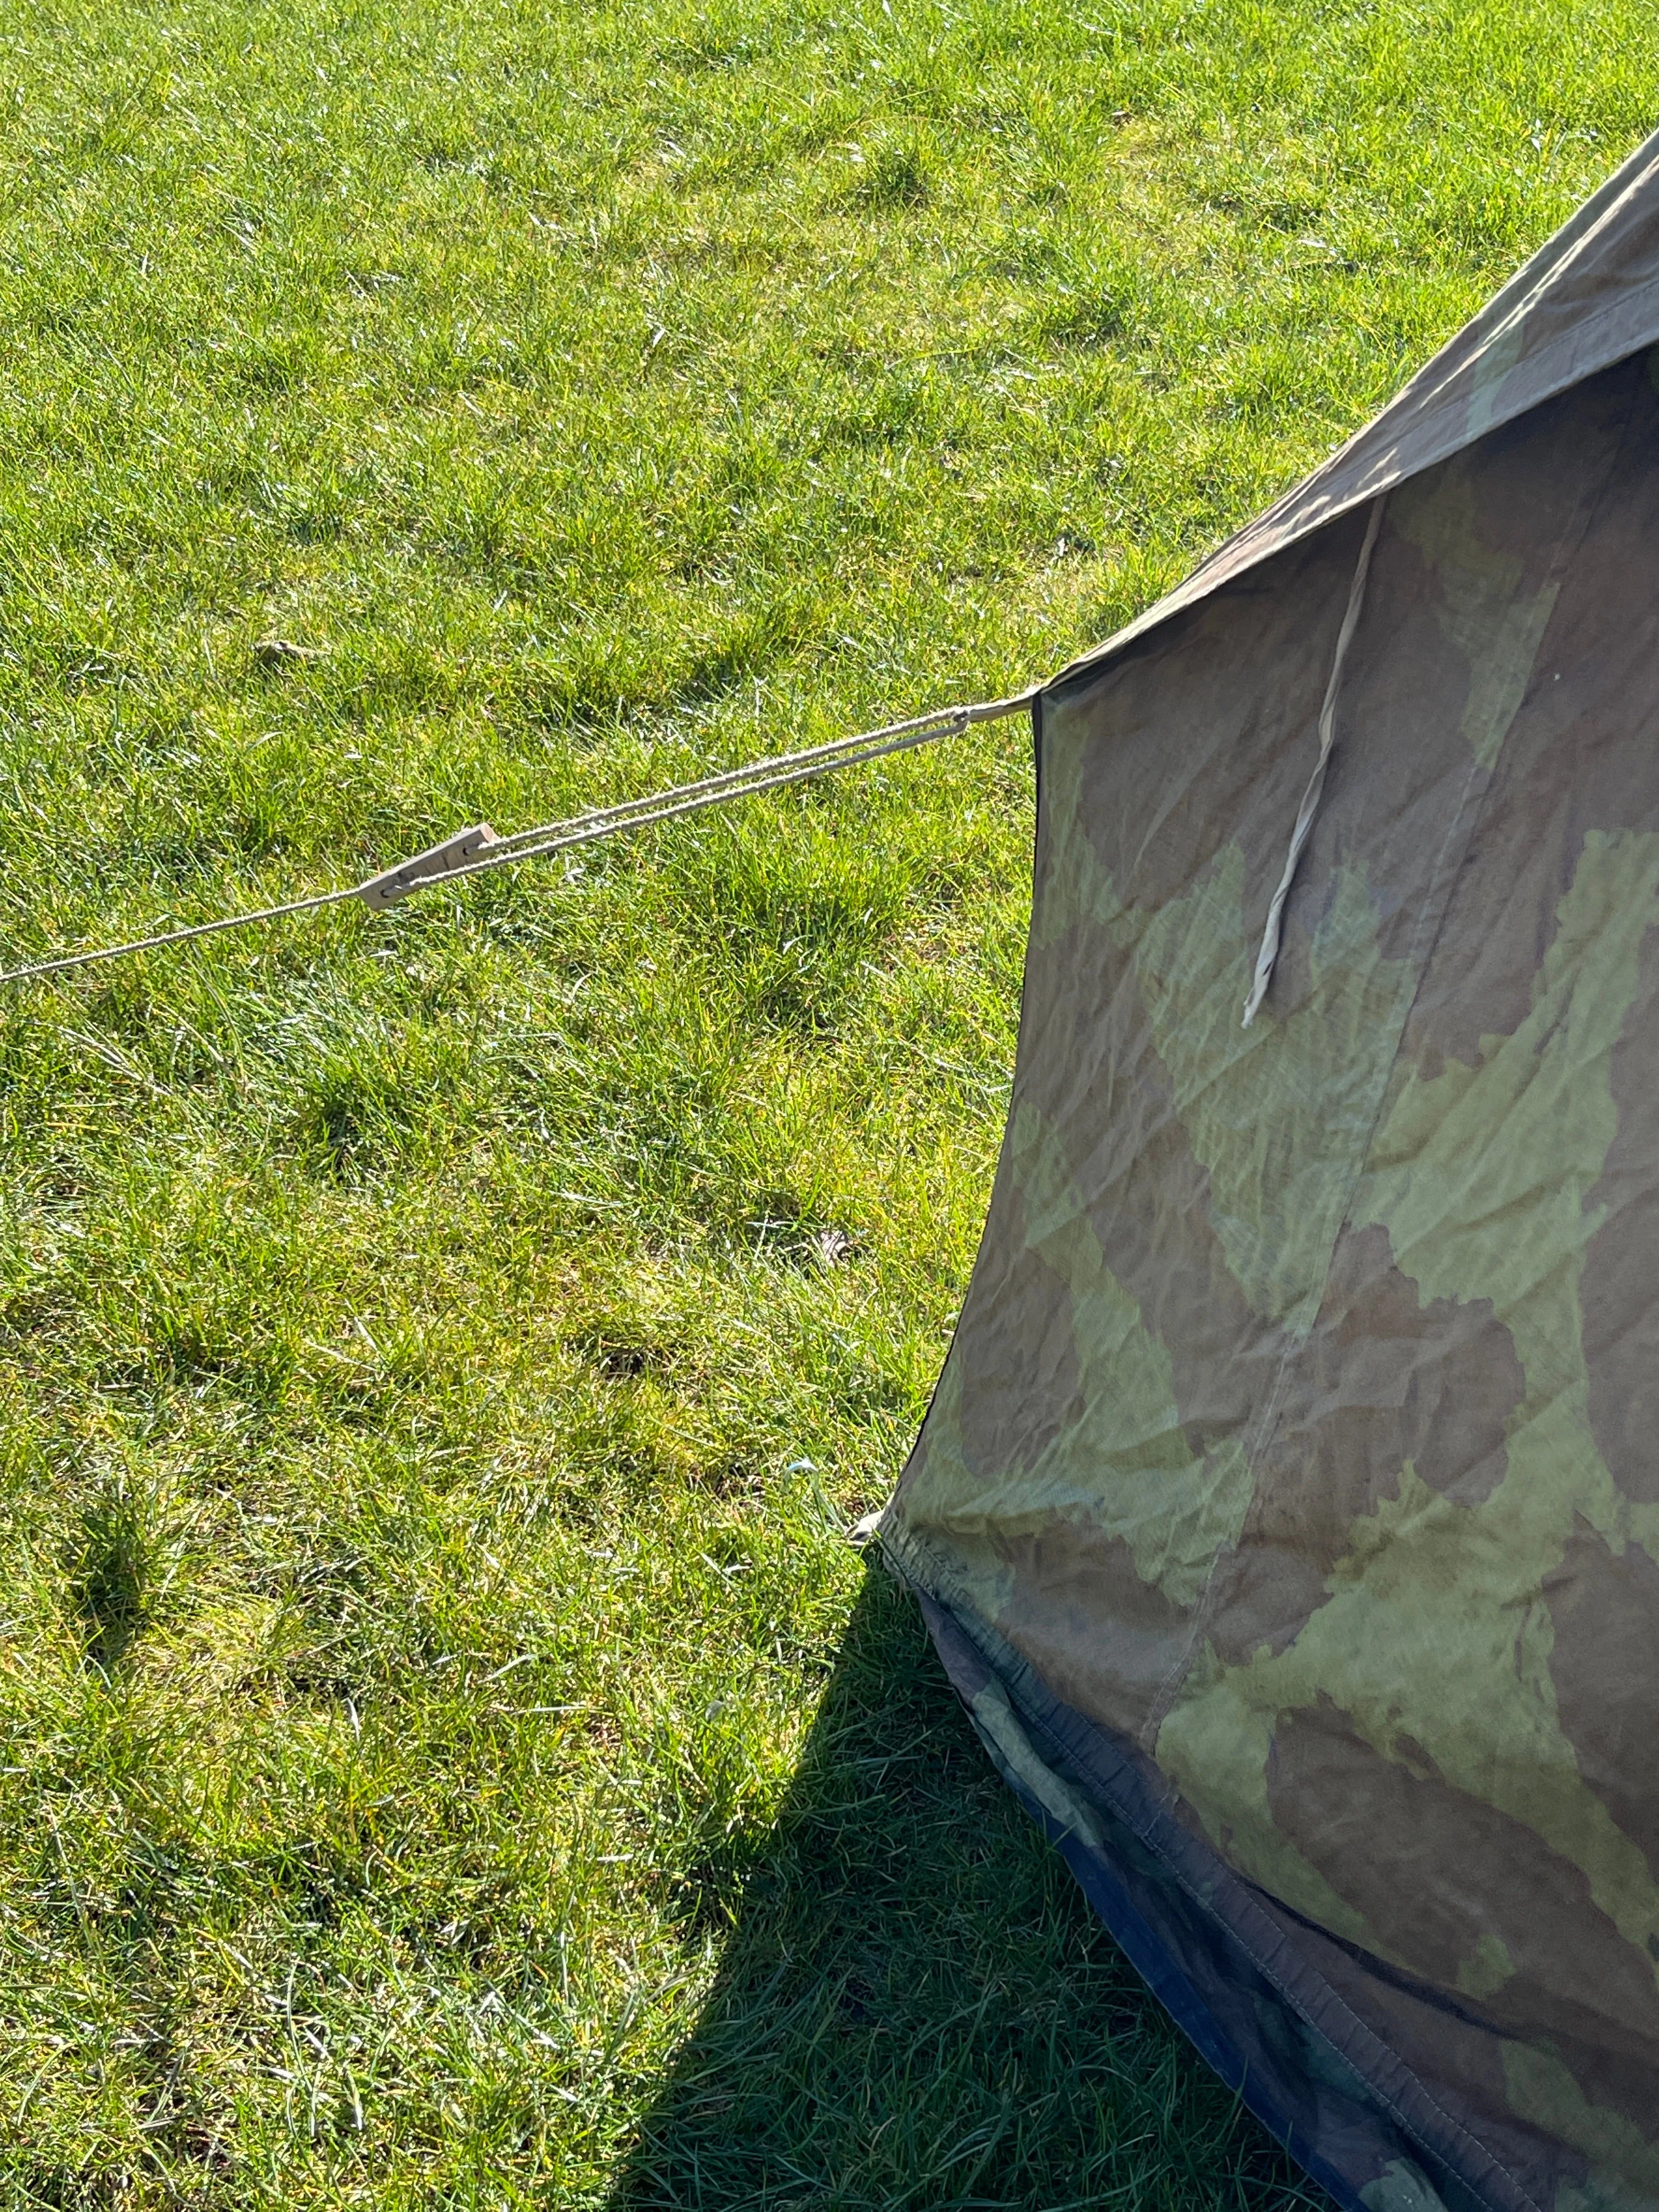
x,y
1288,1511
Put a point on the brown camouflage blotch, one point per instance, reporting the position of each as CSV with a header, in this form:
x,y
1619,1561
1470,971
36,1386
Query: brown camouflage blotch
x,y
1382,1380
1148,1194
1020,1389
1392,1842
1102,1638
1253,662
1604,1606
1411,683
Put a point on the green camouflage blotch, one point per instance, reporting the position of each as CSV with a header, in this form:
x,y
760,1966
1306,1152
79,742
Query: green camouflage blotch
x,y
1275,1112
1545,2094
1401,2187
1125,1462
1215,1745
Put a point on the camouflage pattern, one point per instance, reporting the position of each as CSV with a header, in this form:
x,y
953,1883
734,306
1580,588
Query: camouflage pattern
x,y
1289,1504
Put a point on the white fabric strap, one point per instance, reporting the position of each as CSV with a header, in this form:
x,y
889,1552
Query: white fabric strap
x,y
1266,959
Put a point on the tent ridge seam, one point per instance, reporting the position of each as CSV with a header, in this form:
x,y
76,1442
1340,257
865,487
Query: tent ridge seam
x,y
1200,583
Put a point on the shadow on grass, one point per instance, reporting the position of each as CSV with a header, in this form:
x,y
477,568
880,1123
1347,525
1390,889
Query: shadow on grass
x,y
916,2008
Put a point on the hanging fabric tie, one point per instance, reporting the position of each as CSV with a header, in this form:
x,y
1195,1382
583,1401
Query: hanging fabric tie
x,y
1268,955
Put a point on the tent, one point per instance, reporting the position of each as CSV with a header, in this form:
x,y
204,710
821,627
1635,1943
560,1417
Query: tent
x,y
1287,1513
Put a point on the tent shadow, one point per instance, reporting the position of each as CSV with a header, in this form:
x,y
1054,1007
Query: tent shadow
x,y
915,2007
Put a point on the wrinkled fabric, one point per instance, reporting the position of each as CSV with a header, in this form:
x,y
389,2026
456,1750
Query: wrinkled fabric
x,y
1295,1468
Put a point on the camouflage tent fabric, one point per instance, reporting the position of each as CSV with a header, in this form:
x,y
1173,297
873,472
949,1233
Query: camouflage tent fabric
x,y
1287,1513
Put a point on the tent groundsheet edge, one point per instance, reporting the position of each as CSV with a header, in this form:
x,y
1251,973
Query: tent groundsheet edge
x,y
1141,1866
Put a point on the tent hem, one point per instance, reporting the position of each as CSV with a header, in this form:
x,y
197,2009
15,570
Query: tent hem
x,y
1138,1806
1092,1869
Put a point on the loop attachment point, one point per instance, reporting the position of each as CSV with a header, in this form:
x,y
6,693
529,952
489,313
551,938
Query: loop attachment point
x,y
387,888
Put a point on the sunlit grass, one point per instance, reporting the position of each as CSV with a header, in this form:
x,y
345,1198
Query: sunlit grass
x,y
442,1352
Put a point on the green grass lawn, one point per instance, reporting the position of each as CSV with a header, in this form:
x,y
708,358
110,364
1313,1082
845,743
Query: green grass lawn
x,y
451,1756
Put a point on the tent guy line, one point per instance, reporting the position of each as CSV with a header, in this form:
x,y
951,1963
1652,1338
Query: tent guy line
x,y
476,851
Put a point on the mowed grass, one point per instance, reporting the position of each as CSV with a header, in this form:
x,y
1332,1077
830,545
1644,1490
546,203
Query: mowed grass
x,y
451,1755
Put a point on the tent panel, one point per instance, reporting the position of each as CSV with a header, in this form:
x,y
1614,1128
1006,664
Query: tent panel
x,y
1298,1433
1588,297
